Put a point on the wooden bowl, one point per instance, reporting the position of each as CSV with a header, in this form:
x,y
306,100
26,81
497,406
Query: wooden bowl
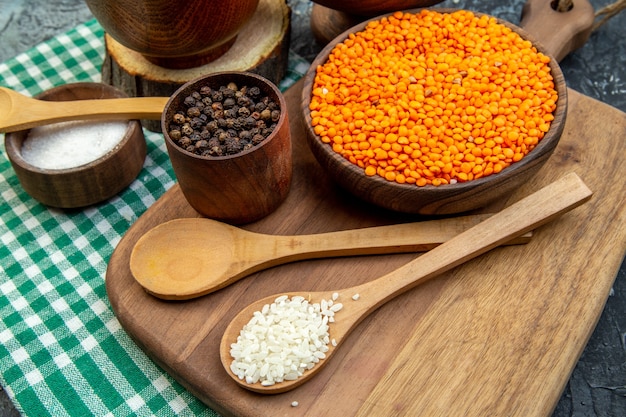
x,y
174,34
374,7
433,200
242,187
91,182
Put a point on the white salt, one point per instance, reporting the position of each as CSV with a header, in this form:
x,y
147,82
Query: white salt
x,y
71,144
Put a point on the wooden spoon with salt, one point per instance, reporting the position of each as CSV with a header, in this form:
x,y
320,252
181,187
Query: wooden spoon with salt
x,y
19,112
187,258
515,220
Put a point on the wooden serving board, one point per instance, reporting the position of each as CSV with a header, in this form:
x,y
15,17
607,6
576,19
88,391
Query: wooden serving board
x,y
499,335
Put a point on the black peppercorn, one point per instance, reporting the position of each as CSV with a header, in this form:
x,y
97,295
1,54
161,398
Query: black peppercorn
x,y
217,96
245,135
243,112
224,120
178,118
196,123
205,90
256,139
184,142
266,114
249,122
222,136
230,113
232,145
189,101
238,124
254,92
212,126
229,102
175,134
213,142
218,115
243,101
186,129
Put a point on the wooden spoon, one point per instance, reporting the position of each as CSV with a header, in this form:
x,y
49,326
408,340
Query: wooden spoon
x,y
19,112
527,214
188,258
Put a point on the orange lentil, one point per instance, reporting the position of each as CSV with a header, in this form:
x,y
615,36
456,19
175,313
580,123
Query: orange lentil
x,y
433,98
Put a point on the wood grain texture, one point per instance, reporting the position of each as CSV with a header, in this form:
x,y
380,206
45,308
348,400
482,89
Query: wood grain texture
x,y
574,26
374,7
498,335
41,112
261,47
174,36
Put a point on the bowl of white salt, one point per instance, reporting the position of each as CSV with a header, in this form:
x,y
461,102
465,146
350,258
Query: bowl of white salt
x,y
77,163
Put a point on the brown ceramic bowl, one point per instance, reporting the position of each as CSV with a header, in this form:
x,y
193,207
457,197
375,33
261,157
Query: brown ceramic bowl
x,y
174,34
374,7
86,184
237,188
433,200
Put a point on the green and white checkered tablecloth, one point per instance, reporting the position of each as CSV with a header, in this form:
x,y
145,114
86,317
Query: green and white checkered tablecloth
x,y
62,350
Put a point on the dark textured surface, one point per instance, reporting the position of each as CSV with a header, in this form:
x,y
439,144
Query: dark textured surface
x,y
597,386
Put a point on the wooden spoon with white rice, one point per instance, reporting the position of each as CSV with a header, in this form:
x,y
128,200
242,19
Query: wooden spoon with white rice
x,y
293,335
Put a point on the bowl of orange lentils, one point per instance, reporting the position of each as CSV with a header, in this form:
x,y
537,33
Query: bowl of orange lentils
x,y
433,111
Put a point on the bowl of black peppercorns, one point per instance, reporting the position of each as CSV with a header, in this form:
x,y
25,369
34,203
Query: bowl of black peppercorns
x,y
228,138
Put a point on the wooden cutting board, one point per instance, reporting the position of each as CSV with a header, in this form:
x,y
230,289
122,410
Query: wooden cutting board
x,y
499,335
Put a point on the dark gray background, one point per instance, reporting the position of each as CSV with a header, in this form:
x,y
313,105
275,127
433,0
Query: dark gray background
x,y
597,386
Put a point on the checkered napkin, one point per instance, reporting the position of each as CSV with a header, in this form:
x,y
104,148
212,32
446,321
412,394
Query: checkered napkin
x,y
62,350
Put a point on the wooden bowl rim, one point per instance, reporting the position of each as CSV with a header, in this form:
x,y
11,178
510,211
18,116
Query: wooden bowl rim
x,y
550,140
14,140
259,81
381,7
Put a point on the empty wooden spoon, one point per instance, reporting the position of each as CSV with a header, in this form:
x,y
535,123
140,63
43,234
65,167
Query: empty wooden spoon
x,y
527,214
19,112
187,258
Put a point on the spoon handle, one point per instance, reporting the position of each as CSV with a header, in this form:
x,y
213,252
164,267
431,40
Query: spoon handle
x,y
396,238
527,214
43,112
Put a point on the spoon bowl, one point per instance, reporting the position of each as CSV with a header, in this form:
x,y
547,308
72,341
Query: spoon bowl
x,y
188,258
515,220
19,112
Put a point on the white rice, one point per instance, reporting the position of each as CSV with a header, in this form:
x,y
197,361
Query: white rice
x,y
283,340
